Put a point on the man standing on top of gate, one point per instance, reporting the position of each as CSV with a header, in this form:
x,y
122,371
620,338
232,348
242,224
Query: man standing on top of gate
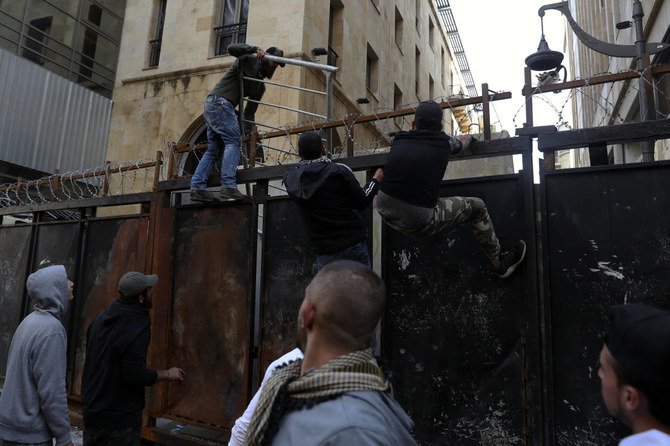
x,y
329,197
223,130
409,201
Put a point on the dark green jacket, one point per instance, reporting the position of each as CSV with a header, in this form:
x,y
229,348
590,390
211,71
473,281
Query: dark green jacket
x,y
249,65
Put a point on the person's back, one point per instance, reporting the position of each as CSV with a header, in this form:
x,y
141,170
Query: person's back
x,y
415,166
330,199
115,372
351,419
111,400
410,202
33,402
336,394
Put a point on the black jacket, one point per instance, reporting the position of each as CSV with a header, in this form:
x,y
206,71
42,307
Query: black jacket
x,y
329,198
115,373
416,164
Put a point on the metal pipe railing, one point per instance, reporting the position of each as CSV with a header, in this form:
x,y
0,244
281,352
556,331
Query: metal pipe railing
x,y
329,71
249,121
329,107
292,87
301,63
283,107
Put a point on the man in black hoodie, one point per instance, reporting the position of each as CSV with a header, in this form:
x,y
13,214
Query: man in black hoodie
x,y
329,197
115,372
409,199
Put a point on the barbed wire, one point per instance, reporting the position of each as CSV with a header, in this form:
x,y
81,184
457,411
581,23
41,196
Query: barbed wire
x,y
604,111
360,136
79,184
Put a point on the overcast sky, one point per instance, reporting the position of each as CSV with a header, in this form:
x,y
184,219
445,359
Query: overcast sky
x,y
497,36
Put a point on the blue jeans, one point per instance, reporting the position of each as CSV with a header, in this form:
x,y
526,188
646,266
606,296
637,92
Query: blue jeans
x,y
223,134
357,253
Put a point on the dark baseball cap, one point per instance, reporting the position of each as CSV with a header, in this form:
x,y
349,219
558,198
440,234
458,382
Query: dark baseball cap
x,y
428,115
639,340
133,283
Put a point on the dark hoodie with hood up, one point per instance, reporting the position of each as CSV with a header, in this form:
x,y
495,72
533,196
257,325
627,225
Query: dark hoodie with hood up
x,y
329,198
115,373
33,404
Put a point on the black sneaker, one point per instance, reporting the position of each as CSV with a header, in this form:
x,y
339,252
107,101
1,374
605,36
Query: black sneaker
x,y
510,259
231,193
202,196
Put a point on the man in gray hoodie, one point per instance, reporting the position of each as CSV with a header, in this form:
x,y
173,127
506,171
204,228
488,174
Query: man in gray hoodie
x,y
33,403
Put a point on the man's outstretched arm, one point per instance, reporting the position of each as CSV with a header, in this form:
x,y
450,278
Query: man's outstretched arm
x,y
362,196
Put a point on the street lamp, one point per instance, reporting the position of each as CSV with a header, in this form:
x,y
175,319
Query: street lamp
x,y
546,59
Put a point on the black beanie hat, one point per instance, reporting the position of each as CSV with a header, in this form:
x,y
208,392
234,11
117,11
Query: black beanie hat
x,y
428,116
310,145
639,340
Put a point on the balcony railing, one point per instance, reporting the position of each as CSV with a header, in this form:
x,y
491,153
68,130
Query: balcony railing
x,y
332,56
225,35
154,52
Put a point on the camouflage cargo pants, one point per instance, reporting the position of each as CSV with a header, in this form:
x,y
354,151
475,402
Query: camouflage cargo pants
x,y
450,212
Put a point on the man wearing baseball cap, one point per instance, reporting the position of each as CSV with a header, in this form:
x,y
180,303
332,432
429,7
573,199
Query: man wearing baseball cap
x,y
115,372
635,372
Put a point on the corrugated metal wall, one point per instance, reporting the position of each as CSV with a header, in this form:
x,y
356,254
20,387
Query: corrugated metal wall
x,y
48,122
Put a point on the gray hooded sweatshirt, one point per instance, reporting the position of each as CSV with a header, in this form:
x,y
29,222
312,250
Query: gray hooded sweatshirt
x,y
33,403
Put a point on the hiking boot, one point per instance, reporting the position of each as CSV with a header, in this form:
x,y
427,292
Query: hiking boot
x,y
510,259
202,196
231,193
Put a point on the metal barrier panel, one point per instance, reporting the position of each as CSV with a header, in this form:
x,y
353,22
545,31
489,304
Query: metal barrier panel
x,y
212,313
453,331
15,249
607,241
46,119
288,267
112,248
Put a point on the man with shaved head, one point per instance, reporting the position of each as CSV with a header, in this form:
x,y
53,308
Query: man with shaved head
x,y
337,394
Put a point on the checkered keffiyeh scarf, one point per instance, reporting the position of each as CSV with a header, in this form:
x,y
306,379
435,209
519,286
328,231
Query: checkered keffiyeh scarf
x,y
322,159
287,391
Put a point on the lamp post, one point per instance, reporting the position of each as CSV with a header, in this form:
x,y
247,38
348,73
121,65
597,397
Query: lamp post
x,y
545,59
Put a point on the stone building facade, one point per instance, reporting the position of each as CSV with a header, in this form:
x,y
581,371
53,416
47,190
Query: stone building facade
x,y
391,53
615,102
